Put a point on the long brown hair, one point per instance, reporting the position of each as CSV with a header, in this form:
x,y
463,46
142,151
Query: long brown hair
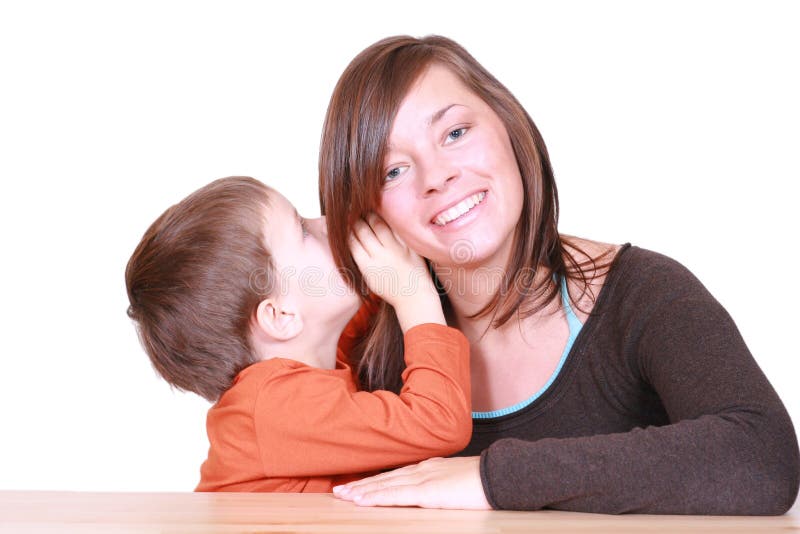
x,y
195,280
357,126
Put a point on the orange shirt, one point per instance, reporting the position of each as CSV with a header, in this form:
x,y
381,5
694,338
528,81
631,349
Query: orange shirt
x,y
287,427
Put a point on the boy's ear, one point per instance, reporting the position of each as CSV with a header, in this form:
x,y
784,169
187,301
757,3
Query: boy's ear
x,y
278,320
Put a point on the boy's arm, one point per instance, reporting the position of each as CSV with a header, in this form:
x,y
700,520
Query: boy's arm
x,y
310,422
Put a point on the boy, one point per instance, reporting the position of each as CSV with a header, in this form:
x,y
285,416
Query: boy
x,y
237,298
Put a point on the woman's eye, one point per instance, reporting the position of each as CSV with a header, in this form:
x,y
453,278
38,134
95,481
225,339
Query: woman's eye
x,y
393,174
304,226
456,134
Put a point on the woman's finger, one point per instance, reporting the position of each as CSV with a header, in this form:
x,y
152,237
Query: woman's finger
x,y
381,477
391,496
350,493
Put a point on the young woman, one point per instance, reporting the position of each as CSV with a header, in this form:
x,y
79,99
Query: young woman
x,y
605,378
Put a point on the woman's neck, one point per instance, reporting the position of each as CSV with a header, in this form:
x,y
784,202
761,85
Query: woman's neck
x,y
470,288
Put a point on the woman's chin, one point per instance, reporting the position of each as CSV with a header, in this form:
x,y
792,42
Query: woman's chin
x,y
471,253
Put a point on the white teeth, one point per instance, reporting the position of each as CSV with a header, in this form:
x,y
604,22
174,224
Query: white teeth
x,y
459,209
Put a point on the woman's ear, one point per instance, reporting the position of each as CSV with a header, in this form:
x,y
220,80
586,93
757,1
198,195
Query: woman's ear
x,y
278,320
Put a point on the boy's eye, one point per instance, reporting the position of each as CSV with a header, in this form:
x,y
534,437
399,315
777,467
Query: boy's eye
x,y
456,134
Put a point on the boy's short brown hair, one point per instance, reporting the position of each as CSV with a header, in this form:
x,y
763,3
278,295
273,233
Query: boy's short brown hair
x,y
195,281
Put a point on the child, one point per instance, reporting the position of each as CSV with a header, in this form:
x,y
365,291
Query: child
x,y
237,298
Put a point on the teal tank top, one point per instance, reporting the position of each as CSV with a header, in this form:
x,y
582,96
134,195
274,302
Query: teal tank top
x,y
574,328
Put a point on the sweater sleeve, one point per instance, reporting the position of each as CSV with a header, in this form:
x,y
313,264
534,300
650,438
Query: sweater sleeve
x,y
729,447
310,423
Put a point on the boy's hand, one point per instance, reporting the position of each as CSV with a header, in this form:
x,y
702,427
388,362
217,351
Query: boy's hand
x,y
395,273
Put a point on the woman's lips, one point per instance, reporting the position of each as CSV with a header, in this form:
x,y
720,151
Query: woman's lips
x,y
463,219
459,209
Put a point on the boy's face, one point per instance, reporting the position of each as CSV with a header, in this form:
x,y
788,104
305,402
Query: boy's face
x,y
306,272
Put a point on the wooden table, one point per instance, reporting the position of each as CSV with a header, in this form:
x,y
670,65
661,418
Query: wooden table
x,y
33,511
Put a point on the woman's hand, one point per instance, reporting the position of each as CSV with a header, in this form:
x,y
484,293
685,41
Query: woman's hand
x,y
453,483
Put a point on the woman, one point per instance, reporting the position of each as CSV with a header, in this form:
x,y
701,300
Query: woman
x,y
605,378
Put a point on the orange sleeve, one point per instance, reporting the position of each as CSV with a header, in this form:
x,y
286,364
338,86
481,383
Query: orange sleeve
x,y
309,423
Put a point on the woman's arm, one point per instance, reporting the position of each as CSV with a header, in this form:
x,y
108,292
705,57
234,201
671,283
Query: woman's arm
x,y
730,448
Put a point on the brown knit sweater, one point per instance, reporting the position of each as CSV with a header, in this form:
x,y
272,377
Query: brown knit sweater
x,y
659,408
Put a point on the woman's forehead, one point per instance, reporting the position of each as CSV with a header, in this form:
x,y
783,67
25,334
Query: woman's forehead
x,y
435,85
435,95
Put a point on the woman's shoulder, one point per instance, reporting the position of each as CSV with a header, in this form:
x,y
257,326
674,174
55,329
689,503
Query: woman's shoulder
x,y
588,266
598,259
624,273
651,270
587,249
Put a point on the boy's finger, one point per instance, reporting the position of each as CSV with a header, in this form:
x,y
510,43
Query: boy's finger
x,y
397,238
359,253
376,224
376,221
382,230
366,236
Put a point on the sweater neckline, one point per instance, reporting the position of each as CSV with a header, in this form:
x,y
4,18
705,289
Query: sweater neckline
x,y
568,358
575,326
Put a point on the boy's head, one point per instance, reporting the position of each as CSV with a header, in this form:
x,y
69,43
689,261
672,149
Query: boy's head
x,y
220,275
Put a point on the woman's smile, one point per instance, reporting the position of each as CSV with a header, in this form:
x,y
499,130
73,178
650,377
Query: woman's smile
x,y
459,210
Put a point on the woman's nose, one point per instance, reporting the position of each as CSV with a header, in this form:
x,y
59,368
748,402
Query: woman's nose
x,y
436,176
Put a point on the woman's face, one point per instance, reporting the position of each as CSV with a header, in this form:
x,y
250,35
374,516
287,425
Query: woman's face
x,y
453,190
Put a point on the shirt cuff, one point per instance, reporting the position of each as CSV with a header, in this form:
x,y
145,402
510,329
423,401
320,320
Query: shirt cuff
x,y
487,490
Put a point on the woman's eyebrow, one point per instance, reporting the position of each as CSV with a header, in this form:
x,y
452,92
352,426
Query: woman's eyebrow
x,y
439,114
433,119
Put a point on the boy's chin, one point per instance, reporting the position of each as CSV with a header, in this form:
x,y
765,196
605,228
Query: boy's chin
x,y
340,312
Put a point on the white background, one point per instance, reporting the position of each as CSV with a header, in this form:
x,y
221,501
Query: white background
x,y
672,125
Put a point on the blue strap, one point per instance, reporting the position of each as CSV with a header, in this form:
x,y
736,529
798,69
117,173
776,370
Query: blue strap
x,y
574,328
